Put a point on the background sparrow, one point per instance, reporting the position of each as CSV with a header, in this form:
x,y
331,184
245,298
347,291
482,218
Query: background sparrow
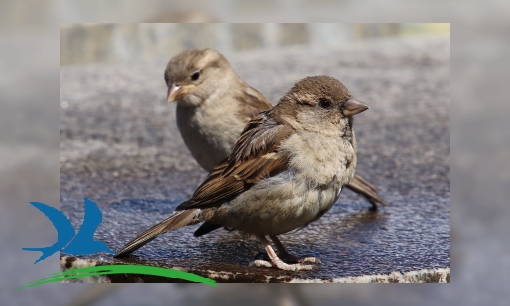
x,y
214,105
286,170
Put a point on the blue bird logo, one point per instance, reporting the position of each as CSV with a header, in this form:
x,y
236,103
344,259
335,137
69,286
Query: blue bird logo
x,y
83,242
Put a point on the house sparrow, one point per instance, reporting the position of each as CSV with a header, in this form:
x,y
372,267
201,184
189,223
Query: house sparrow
x,y
286,170
214,105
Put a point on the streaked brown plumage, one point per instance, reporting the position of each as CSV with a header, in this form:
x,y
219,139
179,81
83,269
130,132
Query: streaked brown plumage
x,y
213,109
286,170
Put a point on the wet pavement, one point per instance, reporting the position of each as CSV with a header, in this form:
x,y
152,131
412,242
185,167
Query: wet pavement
x,y
120,147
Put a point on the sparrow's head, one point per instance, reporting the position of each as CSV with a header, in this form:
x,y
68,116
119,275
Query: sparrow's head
x,y
193,75
320,103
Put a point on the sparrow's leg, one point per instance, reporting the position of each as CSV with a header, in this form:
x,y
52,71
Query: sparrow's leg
x,y
364,188
275,261
287,256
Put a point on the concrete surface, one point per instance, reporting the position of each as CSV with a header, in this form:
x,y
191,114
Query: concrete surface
x,y
120,148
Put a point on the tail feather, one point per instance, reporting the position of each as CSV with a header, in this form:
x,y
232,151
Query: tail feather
x,y
361,186
177,220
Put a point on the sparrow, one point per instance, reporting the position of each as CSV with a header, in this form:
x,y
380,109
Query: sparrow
x,y
214,105
285,171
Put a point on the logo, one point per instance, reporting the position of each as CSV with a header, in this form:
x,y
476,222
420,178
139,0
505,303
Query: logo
x,y
83,243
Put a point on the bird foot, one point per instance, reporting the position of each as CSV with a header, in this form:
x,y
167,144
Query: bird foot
x,y
289,258
273,261
309,259
278,263
303,259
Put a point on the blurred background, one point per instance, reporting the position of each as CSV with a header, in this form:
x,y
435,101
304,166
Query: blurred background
x,y
30,32
99,43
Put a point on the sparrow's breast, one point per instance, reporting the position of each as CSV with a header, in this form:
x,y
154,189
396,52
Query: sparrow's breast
x,y
295,197
320,158
209,133
277,205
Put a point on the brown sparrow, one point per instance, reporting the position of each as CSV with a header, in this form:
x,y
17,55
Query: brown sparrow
x,y
286,170
214,105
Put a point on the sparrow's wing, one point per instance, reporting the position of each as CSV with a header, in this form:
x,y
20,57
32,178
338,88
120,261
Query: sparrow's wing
x,y
251,102
255,155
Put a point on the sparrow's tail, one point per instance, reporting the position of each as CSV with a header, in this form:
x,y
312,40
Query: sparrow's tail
x,y
177,220
359,185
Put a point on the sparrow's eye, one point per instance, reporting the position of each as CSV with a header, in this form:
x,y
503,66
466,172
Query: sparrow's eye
x,y
195,75
324,103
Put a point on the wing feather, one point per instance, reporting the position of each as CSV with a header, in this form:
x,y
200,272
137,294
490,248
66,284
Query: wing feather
x,y
255,155
251,102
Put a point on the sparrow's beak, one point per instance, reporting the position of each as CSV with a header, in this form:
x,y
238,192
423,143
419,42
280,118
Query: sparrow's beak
x,y
177,92
353,107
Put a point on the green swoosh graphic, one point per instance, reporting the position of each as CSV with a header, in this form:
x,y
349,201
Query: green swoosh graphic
x,y
121,269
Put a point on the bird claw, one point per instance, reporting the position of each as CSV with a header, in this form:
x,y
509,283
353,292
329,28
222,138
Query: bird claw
x,y
309,259
278,263
290,258
304,259
261,263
